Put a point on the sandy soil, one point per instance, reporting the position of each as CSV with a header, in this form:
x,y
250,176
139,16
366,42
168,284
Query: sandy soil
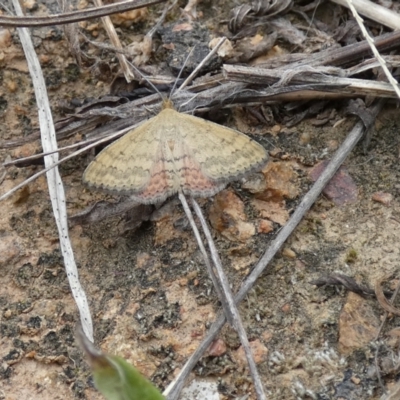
x,y
149,292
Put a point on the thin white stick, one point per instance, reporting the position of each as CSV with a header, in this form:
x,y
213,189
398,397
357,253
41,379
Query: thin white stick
x,y
235,316
370,41
112,34
203,250
375,12
56,189
41,155
181,71
204,61
55,164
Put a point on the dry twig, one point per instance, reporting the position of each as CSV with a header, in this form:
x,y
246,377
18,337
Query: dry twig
x,y
370,41
383,301
374,12
56,189
112,34
223,289
75,16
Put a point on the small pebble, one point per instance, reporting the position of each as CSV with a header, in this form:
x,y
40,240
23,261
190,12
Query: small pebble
x,y
382,197
287,252
305,138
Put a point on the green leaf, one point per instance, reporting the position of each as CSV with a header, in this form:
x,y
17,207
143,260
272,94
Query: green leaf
x,y
114,377
118,380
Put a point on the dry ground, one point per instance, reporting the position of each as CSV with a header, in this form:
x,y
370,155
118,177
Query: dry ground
x,y
149,293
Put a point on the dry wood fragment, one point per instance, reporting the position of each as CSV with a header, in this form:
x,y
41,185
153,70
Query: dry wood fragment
x,y
345,87
76,16
112,34
338,56
375,12
383,301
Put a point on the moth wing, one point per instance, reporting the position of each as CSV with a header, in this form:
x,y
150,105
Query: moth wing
x,y
125,165
223,154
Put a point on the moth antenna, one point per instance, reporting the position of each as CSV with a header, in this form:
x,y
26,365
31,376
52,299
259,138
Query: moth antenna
x,y
150,34
203,62
180,72
137,70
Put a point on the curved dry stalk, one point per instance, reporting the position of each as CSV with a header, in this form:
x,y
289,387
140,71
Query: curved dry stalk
x,y
112,34
385,317
56,189
375,12
370,41
200,66
75,16
235,316
206,259
55,164
95,142
223,289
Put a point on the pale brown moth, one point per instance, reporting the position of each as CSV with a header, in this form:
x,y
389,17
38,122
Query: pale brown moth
x,y
174,152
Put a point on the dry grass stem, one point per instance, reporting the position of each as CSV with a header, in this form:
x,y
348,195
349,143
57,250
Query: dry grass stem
x,y
374,12
371,43
228,295
56,189
75,16
112,34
